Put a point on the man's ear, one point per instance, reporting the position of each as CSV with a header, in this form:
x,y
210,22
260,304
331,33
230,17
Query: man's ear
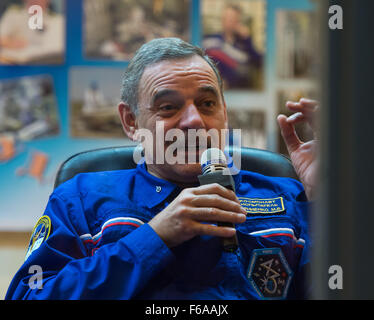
x,y
128,120
225,111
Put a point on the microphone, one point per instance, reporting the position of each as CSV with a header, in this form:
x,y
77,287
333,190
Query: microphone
x,y
214,170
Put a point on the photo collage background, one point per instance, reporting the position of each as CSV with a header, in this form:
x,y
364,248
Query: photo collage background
x,y
60,86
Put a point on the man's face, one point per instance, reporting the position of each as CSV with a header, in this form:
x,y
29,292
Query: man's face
x,y
230,20
180,94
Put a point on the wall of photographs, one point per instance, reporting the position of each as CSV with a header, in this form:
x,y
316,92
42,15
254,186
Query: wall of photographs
x,y
59,86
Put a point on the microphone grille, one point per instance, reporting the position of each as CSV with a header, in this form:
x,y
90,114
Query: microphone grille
x,y
213,156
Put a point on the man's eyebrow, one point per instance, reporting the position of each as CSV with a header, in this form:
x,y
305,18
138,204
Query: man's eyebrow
x,y
209,89
162,93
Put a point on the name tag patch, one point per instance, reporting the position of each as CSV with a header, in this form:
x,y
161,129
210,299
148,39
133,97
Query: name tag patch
x,y
255,206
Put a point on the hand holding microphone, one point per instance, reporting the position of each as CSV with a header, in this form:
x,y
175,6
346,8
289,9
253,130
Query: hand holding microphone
x,y
186,216
214,170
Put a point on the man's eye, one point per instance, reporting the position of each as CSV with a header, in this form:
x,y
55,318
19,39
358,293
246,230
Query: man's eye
x,y
208,103
168,107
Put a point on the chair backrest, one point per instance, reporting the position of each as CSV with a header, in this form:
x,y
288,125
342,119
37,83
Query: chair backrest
x,y
119,158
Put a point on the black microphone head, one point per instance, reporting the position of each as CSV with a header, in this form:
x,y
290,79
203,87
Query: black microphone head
x,y
213,159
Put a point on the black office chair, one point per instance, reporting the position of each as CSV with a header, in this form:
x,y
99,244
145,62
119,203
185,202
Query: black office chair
x,y
119,158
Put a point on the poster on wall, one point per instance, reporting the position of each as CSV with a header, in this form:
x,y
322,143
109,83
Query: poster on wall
x,y
34,142
28,112
32,32
94,97
115,29
233,35
28,109
296,44
29,121
252,123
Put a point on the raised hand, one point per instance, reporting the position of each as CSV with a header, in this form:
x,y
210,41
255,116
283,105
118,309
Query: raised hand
x,y
303,154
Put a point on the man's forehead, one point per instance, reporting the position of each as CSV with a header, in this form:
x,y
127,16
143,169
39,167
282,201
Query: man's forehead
x,y
168,71
193,60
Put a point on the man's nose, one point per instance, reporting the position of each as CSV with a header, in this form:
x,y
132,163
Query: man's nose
x,y
191,118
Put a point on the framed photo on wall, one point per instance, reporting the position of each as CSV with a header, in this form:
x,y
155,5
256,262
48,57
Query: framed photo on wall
x,y
252,125
115,29
94,96
32,32
28,108
296,40
234,36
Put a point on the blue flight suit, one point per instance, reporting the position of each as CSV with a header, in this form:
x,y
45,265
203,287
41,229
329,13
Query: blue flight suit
x,y
93,242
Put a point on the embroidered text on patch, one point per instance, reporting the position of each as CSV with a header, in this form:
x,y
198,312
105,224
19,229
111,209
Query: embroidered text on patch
x,y
263,206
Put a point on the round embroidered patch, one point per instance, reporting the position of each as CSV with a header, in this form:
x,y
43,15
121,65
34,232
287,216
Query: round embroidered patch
x,y
40,233
269,273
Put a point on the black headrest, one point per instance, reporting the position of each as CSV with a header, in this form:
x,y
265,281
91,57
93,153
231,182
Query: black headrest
x,y
119,158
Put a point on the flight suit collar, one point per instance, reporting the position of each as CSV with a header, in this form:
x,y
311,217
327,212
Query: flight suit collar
x,y
155,190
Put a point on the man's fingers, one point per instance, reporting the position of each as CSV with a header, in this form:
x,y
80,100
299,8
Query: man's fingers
x,y
215,231
308,109
296,118
215,188
216,214
216,201
289,134
307,105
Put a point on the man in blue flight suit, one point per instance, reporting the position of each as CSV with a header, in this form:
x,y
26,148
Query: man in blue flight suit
x,y
148,233
233,50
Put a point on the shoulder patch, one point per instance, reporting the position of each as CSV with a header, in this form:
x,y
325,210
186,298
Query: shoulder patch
x,y
269,273
40,233
256,206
